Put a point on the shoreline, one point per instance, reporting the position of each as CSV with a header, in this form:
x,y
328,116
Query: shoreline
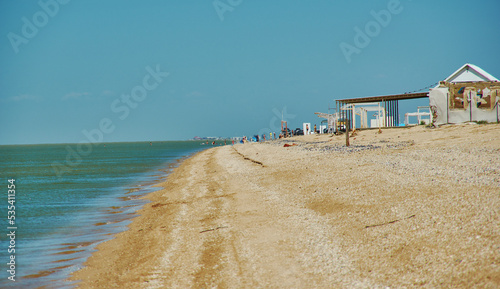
x,y
87,208
409,207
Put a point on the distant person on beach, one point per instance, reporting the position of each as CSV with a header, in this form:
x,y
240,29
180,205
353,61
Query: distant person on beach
x,y
213,143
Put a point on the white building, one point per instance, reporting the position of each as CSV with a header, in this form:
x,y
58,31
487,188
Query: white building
x,y
469,94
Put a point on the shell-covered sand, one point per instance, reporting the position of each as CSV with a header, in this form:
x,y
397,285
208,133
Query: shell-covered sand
x,y
409,207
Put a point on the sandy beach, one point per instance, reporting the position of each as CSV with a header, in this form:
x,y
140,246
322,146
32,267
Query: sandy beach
x,y
408,207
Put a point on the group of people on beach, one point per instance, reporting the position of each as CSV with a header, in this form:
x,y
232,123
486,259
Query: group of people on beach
x,y
225,142
263,137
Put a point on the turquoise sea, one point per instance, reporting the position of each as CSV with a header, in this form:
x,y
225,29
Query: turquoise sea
x,y
69,198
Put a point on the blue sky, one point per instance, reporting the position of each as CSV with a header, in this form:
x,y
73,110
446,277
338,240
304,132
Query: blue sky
x,y
230,71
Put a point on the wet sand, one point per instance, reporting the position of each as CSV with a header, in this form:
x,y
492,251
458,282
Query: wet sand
x,y
410,207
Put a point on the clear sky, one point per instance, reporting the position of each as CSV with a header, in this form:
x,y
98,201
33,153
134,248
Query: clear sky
x,y
172,70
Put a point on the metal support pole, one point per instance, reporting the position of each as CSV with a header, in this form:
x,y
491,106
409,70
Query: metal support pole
x,y
397,112
390,115
337,121
394,116
345,116
348,112
349,115
378,120
394,113
385,114
342,112
391,112
353,117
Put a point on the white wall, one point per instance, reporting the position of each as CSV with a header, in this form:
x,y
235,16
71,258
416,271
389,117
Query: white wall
x,y
438,101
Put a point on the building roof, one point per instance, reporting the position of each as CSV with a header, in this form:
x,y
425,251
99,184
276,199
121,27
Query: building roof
x,y
385,97
470,73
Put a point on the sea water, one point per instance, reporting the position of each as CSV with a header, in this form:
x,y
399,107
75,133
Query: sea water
x,y
68,199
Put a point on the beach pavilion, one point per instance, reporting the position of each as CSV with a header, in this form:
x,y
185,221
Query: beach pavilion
x,y
468,94
386,106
